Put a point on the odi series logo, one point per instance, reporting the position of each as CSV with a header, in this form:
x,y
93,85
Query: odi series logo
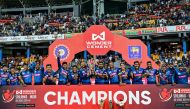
x,y
165,95
8,95
63,50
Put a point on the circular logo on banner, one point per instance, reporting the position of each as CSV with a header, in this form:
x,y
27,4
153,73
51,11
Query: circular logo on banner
x,y
8,95
63,50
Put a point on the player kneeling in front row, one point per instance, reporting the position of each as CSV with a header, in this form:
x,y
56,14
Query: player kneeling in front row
x,y
137,73
85,74
49,76
15,78
151,74
100,74
113,74
74,76
124,75
38,74
26,75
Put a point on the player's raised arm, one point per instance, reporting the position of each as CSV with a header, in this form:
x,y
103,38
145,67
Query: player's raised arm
x,y
58,61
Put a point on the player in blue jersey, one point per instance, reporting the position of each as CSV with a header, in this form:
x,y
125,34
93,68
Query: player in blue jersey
x,y
74,76
113,74
181,76
124,74
151,74
38,74
49,76
15,78
137,73
100,74
62,72
162,75
106,69
4,75
84,74
170,73
27,75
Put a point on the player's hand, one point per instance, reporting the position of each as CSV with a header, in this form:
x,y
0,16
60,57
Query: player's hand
x,y
24,85
173,84
122,84
68,84
58,54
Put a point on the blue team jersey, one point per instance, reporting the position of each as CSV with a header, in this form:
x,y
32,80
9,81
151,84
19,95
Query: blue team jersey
x,y
38,75
151,79
74,77
100,80
50,76
84,76
181,77
163,77
4,77
170,73
63,76
125,76
14,80
106,80
27,76
113,76
137,79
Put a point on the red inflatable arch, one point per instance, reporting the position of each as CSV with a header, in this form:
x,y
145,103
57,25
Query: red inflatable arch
x,y
98,40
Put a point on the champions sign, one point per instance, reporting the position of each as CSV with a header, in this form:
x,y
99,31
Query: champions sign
x,y
97,97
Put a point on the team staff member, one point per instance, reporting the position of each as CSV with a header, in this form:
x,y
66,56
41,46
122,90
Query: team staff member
x,y
113,74
181,76
84,74
62,72
151,74
27,75
4,76
15,78
100,74
124,74
137,73
49,76
38,74
74,76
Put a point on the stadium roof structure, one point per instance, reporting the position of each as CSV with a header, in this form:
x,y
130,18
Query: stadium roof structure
x,y
33,3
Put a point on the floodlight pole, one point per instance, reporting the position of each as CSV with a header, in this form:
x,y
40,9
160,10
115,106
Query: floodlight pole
x,y
23,5
49,6
0,12
98,7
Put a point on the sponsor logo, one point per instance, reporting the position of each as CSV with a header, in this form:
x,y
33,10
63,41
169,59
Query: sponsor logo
x,y
101,36
101,43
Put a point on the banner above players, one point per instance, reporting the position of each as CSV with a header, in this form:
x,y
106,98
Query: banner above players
x,y
98,40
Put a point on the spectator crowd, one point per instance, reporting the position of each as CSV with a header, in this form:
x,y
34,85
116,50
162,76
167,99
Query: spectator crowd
x,y
162,13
